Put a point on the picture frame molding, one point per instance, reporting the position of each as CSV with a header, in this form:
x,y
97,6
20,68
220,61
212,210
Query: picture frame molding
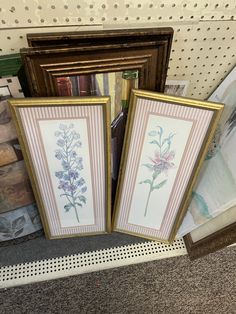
x,y
215,241
63,101
145,49
194,103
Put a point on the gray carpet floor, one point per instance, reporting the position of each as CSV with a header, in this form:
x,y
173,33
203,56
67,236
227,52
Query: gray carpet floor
x,y
41,248
168,286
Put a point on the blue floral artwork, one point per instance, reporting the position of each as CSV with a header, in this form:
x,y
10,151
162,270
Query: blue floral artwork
x,y
71,181
161,162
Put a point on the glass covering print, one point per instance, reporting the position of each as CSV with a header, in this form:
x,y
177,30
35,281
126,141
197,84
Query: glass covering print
x,y
71,181
161,162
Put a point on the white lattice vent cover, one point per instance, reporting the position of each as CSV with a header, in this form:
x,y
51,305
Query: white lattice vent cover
x,y
26,273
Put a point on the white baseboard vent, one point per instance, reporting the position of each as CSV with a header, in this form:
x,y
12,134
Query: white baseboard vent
x,y
25,273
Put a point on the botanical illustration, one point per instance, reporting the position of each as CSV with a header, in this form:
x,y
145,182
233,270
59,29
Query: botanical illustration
x,y
160,163
71,181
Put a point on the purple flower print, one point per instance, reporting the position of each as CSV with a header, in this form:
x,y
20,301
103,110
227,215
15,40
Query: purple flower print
x,y
59,174
65,165
58,154
63,185
73,154
80,182
61,142
72,188
73,174
70,179
84,189
161,162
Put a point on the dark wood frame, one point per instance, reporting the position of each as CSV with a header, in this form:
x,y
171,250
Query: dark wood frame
x,y
77,53
211,243
146,50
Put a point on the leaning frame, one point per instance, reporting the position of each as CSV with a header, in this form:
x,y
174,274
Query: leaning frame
x,y
145,95
61,102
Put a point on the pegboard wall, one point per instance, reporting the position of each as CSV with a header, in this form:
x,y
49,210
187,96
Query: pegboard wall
x,y
204,45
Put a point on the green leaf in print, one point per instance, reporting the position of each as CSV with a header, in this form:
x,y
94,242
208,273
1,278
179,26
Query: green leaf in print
x,y
160,185
146,181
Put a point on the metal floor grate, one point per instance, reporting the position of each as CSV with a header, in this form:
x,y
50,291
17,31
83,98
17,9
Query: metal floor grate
x,y
76,264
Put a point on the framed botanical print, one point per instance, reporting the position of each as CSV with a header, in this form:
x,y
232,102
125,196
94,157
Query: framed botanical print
x,y
213,235
166,141
66,145
109,62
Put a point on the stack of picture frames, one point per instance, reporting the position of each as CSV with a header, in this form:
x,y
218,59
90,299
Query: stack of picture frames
x,y
19,217
210,223
101,63
73,145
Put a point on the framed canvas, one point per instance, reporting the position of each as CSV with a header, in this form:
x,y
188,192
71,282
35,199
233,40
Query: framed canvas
x,y
215,191
108,62
212,236
166,140
66,145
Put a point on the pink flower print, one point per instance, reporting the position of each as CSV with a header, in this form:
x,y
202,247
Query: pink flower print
x,y
163,162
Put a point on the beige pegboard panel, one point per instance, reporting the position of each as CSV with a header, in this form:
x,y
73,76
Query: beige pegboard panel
x,y
204,42
218,10
11,40
203,53
45,13
28,13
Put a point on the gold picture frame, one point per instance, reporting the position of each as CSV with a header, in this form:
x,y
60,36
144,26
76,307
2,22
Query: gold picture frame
x,y
66,146
166,141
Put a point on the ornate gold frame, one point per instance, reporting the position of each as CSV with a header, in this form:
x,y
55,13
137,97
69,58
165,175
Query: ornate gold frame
x,y
215,107
64,101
